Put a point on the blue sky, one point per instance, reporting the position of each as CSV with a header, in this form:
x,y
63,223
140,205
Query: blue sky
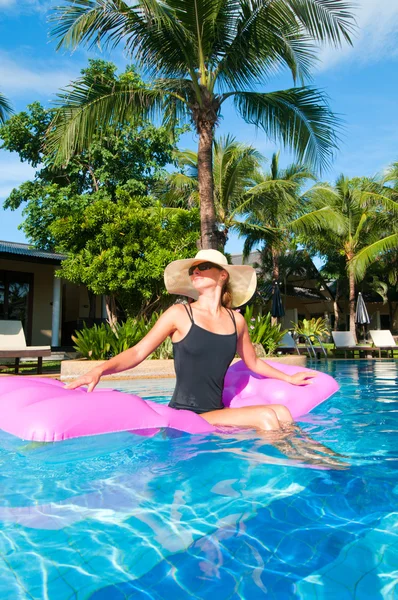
x,y
361,83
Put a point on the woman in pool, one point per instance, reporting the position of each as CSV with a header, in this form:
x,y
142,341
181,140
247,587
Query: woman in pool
x,y
206,334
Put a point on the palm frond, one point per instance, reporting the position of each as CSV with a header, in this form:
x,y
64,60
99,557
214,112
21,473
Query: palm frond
x,y
325,20
299,117
369,254
256,230
5,108
324,218
149,30
91,106
178,190
268,35
234,165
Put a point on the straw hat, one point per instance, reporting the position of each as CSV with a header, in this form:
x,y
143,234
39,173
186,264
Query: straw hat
x,y
242,278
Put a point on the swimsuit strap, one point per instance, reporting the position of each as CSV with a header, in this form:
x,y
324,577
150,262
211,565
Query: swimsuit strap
x,y
188,308
231,314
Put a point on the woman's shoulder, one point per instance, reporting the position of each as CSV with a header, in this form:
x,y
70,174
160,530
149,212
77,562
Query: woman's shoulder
x,y
175,310
240,320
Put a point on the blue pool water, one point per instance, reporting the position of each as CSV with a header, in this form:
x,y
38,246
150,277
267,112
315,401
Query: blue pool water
x,y
221,517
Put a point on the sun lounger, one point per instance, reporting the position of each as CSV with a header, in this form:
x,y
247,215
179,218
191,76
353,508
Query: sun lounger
x,y
382,338
344,340
13,345
288,344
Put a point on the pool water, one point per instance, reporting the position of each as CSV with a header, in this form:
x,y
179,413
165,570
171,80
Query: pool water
x,y
236,516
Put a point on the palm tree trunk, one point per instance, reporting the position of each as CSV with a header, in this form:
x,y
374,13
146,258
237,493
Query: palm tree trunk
x,y
275,264
275,275
208,238
336,308
351,299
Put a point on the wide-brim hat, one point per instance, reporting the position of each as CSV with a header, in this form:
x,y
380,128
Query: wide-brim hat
x,y
242,278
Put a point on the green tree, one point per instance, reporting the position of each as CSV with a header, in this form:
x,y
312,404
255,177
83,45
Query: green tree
x,y
334,270
199,54
129,160
279,208
133,157
234,167
5,108
370,215
121,249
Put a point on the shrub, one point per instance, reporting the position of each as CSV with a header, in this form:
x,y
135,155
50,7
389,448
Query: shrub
x,y
312,327
100,342
128,334
94,342
262,331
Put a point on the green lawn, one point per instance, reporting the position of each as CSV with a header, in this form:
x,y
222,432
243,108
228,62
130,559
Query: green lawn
x,y
50,367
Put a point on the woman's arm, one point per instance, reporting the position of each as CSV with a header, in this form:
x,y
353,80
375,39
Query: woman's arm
x,y
165,326
248,354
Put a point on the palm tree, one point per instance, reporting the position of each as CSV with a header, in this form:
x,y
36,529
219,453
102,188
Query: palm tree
x,y
198,54
276,208
5,108
371,228
234,169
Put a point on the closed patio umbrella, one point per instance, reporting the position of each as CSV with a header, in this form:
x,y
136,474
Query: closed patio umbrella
x,y
277,309
361,313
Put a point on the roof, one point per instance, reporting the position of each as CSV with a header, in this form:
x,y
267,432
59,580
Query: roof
x,y
28,253
254,257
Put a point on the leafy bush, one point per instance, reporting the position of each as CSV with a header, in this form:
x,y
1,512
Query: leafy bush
x,y
165,350
262,331
313,327
128,334
101,342
94,342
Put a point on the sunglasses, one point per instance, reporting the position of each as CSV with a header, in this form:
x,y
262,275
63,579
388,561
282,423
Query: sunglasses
x,y
205,266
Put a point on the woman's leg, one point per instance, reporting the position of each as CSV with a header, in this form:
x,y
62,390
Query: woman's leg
x,y
258,417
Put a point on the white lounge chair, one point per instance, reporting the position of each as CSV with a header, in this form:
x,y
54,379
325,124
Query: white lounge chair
x,y
382,338
13,345
288,344
344,340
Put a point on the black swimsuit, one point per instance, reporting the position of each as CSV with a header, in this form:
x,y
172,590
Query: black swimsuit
x,y
201,360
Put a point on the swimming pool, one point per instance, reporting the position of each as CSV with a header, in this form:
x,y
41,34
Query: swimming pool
x,y
176,516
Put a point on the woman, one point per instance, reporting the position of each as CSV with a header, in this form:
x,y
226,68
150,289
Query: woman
x,y
206,334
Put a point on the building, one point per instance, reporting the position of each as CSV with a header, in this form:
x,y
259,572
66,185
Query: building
x,y
49,308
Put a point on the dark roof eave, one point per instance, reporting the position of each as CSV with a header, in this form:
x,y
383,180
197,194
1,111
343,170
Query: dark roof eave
x,y
31,259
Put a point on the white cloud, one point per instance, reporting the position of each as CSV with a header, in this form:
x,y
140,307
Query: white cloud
x,y
13,172
41,78
376,37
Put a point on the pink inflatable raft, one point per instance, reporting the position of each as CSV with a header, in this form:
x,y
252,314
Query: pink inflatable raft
x,y
43,410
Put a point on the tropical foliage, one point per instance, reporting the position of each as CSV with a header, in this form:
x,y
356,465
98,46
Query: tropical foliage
x,y
235,166
5,108
100,342
132,159
121,249
370,212
279,208
313,327
263,332
198,55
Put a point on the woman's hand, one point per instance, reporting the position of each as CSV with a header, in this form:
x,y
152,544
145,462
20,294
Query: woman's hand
x,y
302,378
90,379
